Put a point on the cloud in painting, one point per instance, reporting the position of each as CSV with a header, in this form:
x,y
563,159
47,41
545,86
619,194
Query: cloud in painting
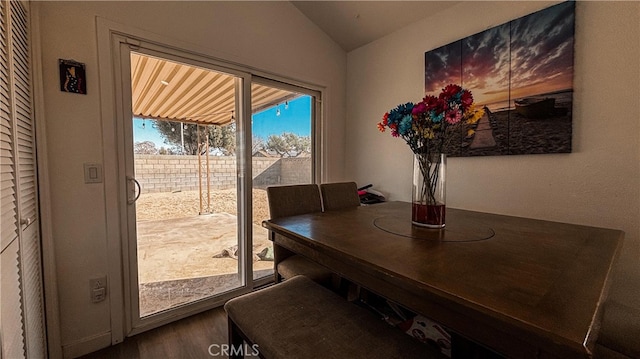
x,y
528,56
542,51
442,67
485,64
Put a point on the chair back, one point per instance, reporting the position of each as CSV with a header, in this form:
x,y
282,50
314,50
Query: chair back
x,y
293,200
339,195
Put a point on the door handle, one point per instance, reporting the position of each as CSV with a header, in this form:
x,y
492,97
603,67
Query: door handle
x,y
133,190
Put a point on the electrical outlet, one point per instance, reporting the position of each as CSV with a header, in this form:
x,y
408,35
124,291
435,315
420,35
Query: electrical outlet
x,y
98,289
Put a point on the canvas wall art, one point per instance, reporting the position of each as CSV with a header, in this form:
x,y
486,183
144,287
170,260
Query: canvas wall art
x,y
521,72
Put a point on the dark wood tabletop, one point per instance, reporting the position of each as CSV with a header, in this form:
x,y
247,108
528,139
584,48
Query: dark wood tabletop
x,y
524,288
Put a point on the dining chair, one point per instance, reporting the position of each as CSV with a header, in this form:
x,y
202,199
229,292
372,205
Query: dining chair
x,y
339,195
292,200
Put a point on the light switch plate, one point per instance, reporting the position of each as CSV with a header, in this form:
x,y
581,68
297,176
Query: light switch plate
x,y
92,173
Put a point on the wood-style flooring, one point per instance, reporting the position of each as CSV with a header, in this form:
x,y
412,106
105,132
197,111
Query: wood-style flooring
x,y
199,336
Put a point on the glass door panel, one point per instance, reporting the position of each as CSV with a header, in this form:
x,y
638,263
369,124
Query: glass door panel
x,y
185,176
281,127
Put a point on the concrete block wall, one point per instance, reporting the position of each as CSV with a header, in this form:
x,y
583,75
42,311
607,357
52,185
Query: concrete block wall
x,y
167,173
223,172
266,171
295,170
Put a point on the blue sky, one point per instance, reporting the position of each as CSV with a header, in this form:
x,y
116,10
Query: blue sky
x,y
148,133
295,118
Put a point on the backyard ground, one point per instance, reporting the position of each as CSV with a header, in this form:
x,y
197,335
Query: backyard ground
x,y
164,205
180,252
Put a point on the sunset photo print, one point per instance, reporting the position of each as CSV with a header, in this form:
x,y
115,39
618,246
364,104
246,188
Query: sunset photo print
x,y
521,73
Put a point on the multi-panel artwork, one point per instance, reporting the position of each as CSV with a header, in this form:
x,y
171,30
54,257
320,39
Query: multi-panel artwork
x,y
521,72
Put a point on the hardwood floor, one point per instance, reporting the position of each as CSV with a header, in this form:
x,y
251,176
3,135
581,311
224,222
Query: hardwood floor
x,y
199,336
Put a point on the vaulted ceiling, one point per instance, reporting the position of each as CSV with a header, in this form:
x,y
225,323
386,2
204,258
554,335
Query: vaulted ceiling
x,y
356,23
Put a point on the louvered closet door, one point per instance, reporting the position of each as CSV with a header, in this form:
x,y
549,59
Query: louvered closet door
x,y
10,293
24,323
9,224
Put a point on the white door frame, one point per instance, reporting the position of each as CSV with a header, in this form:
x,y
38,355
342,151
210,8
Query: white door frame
x,y
111,36
123,46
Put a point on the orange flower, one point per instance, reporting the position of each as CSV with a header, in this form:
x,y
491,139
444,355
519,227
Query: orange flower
x,y
384,123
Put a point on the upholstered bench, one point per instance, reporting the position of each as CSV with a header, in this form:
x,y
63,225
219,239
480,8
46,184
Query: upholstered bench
x,y
620,332
299,318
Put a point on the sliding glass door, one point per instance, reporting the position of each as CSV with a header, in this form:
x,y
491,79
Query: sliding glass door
x,y
181,155
199,144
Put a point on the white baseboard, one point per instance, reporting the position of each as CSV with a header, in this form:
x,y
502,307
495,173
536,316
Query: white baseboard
x,y
86,345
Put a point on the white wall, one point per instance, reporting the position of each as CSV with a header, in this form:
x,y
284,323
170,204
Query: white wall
x,y
597,184
273,37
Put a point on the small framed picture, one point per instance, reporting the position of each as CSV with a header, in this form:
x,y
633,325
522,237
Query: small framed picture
x,y
72,77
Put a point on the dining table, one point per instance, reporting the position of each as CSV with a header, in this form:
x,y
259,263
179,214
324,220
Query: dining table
x,y
518,287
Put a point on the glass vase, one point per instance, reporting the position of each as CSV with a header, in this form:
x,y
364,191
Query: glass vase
x,y
428,209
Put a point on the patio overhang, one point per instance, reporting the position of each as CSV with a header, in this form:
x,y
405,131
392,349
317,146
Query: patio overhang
x,y
167,90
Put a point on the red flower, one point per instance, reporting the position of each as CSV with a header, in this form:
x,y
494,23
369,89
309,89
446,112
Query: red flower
x,y
383,124
432,103
449,91
467,99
